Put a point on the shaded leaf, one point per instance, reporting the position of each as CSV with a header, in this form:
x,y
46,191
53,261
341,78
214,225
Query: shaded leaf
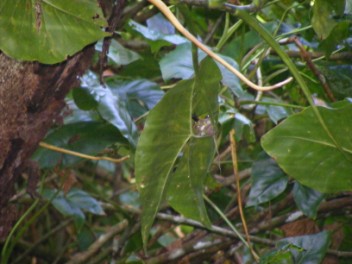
x,y
307,249
307,199
304,150
50,30
74,203
268,180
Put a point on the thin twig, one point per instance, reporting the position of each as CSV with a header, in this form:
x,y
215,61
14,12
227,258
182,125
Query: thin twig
x,y
93,249
238,189
314,69
81,155
171,17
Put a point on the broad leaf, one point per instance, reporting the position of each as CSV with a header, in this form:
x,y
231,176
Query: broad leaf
x,y
307,249
183,142
307,199
48,31
304,151
268,180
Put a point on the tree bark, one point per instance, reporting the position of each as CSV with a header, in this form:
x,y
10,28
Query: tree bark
x,y
31,99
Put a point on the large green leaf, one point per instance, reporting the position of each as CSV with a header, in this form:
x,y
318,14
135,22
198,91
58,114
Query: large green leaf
x,y
304,150
48,30
170,128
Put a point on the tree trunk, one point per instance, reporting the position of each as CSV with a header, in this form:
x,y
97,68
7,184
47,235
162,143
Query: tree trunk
x,y
31,99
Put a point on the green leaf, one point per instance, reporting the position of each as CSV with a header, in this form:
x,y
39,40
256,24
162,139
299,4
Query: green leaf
x,y
322,21
268,180
111,107
185,193
48,31
307,249
304,151
74,203
84,137
307,199
183,142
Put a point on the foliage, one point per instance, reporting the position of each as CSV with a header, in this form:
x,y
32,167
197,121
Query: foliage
x,y
169,108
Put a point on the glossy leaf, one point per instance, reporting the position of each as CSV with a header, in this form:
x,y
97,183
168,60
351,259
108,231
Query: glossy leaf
x,y
152,34
159,33
111,107
307,199
169,127
307,249
304,151
84,137
268,181
48,31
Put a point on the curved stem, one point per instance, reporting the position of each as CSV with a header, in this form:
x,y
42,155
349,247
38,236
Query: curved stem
x,y
171,17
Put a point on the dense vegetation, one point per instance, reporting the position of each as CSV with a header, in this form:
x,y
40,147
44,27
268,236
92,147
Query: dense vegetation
x,y
173,158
